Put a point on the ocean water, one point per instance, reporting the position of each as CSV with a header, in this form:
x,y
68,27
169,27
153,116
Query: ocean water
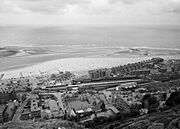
x,y
92,36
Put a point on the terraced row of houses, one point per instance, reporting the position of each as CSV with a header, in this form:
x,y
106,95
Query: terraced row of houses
x,y
125,69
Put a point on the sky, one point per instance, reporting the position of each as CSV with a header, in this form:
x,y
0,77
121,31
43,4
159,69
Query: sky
x,y
90,12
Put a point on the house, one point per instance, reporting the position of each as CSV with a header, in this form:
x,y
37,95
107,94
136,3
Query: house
x,y
111,111
54,108
35,110
108,95
154,71
78,106
25,114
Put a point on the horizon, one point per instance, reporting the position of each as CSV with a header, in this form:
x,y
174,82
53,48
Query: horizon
x,y
91,25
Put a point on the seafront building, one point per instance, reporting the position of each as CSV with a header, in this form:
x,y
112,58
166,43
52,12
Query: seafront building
x,y
99,73
139,66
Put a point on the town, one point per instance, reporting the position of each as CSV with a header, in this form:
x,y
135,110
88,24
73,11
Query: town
x,y
104,98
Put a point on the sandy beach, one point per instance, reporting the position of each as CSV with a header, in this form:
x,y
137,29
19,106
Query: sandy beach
x,y
78,66
34,60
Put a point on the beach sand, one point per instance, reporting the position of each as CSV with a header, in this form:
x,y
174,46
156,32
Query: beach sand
x,y
77,66
33,61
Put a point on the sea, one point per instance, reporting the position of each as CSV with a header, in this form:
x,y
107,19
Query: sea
x,y
87,36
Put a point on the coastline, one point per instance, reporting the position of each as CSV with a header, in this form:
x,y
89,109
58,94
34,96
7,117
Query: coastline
x,y
32,60
77,65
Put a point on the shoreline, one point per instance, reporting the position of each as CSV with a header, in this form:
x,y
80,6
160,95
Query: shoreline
x,y
76,65
75,59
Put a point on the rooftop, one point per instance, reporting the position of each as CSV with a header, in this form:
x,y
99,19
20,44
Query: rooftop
x,y
78,105
53,105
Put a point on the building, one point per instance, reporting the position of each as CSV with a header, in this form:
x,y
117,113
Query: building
x,y
25,114
120,103
35,110
140,72
126,69
154,71
78,106
127,85
53,108
99,73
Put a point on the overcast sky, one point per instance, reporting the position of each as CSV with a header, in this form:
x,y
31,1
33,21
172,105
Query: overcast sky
x,y
92,12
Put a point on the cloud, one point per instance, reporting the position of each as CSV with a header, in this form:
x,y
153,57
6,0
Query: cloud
x,y
174,7
124,1
90,11
153,6
87,6
38,6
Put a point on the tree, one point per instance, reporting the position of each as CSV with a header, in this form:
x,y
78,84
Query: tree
x,y
144,100
153,104
174,99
